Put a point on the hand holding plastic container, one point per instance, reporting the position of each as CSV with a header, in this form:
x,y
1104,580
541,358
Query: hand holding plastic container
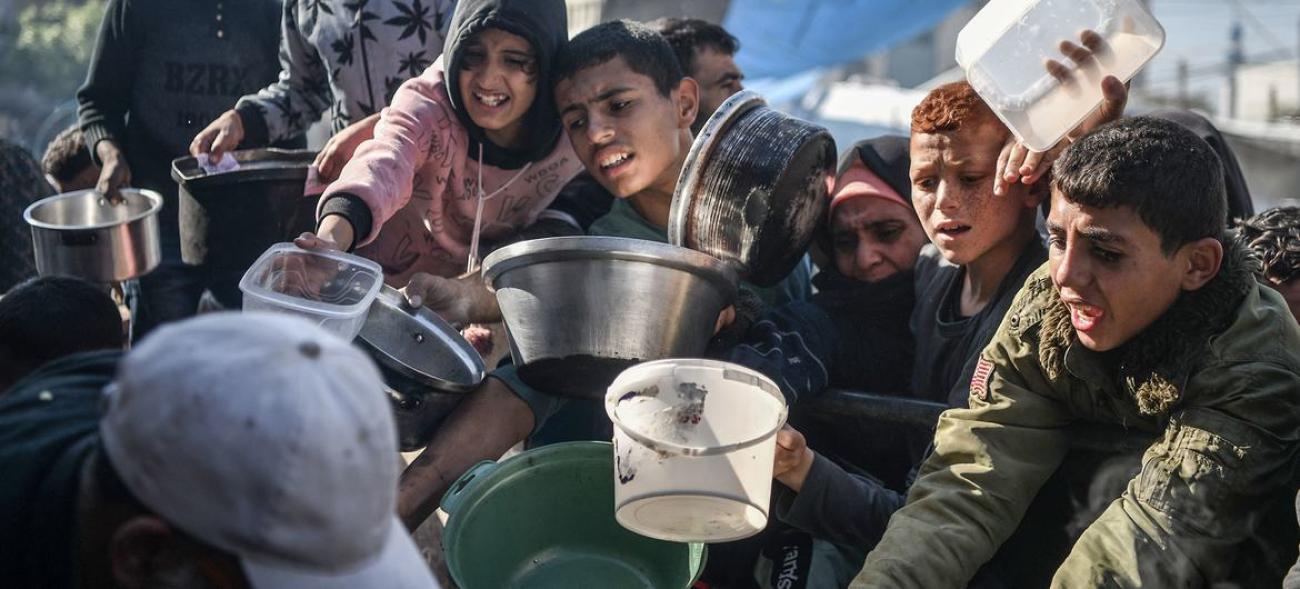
x,y
1009,47
331,288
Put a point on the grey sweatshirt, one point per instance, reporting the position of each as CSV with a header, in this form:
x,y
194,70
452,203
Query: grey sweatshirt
x,y
345,57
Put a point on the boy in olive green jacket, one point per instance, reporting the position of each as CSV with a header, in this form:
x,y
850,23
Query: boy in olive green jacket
x,y
1143,317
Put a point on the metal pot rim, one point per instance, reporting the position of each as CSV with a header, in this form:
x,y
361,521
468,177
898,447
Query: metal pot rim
x,y
155,205
553,249
710,137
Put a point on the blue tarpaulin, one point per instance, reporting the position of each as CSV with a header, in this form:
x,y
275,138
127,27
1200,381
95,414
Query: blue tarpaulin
x,y
780,38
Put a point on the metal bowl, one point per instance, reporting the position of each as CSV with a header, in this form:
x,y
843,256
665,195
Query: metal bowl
x,y
579,310
753,189
83,234
427,366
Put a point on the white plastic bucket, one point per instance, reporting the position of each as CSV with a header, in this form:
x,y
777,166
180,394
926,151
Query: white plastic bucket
x,y
694,442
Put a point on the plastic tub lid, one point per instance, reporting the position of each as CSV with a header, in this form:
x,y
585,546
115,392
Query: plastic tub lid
x,y
650,419
322,282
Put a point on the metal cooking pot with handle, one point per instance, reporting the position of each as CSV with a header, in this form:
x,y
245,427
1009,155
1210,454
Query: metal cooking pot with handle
x,y
84,234
753,189
427,366
227,219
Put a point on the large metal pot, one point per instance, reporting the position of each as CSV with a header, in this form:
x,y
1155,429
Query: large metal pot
x,y
753,189
227,219
83,234
427,366
579,310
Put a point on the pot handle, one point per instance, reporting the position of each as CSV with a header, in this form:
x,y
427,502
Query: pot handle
x,y
451,500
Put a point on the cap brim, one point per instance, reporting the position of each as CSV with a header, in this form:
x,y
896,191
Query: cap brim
x,y
399,566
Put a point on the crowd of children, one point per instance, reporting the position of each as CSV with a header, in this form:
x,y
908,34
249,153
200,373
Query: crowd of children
x,y
1116,282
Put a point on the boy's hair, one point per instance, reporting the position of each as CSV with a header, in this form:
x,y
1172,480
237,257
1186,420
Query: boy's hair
x,y
47,318
1274,237
66,156
1167,174
689,35
642,49
952,107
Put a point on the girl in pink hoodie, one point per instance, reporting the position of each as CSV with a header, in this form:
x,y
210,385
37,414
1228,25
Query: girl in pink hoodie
x,y
478,141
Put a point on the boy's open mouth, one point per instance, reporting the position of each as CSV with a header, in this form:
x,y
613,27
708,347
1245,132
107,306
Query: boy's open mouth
x,y
612,163
1084,317
951,228
491,99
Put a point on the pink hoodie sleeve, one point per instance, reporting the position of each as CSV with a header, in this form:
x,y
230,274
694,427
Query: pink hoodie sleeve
x,y
414,129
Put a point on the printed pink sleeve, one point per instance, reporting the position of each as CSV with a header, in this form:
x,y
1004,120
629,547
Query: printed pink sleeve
x,y
382,170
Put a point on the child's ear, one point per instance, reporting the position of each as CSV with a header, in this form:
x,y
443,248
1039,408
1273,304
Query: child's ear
x,y
686,98
1203,258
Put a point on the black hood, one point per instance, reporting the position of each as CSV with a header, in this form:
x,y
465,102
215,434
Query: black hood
x,y
1240,204
545,24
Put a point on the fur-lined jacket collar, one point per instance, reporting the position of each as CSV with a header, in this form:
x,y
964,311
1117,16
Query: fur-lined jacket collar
x,y
1155,366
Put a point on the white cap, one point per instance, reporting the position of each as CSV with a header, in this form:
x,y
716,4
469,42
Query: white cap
x,y
269,438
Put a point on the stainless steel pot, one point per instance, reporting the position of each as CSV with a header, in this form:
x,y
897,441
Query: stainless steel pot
x,y
83,234
227,219
427,366
579,310
753,189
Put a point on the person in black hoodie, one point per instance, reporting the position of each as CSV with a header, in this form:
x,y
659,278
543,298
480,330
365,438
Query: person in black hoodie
x,y
160,70
853,334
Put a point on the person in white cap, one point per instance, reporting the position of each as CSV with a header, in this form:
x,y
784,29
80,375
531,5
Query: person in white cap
x,y
234,450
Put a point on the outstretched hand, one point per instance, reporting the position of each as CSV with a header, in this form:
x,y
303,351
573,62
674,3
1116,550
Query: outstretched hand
x,y
793,458
1018,163
339,149
219,137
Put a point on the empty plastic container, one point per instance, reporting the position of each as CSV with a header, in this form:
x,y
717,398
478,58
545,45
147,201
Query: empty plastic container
x,y
1004,49
331,288
694,447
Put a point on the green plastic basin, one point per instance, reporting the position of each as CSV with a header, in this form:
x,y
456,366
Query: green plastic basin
x,y
545,518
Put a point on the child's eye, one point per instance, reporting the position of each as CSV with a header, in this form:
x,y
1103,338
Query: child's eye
x,y
925,184
524,65
576,124
971,179
845,242
1056,242
618,105
1106,255
473,59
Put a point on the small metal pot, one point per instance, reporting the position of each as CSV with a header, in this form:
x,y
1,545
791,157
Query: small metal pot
x,y
83,234
427,366
753,189
580,310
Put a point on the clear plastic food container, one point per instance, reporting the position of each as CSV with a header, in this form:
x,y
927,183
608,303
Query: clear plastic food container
x,y
1004,49
330,288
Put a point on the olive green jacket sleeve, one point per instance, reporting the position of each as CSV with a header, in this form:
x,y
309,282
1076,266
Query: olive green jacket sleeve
x,y
988,464
1202,486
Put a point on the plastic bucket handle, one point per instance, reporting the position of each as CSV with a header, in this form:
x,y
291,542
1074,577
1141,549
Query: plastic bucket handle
x,y
732,374
454,495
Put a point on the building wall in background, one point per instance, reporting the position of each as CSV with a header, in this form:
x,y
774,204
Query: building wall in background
x,y
1268,91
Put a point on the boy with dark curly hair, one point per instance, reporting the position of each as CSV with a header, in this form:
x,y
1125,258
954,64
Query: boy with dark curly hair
x,y
1274,237
1145,317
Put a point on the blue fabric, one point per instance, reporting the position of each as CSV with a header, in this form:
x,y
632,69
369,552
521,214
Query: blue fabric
x,y
779,38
